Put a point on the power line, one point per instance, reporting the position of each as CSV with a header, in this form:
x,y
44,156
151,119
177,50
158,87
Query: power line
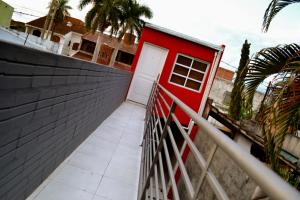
x,y
22,13
229,64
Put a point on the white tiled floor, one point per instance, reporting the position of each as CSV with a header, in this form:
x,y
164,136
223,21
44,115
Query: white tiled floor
x,y
105,166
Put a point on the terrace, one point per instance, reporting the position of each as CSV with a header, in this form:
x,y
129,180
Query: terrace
x,y
105,165
67,132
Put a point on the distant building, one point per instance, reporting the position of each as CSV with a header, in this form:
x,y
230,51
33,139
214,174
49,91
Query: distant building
x,y
6,12
125,55
68,33
225,74
17,25
221,90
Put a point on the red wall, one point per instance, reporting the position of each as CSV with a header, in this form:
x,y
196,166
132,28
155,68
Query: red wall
x,y
177,45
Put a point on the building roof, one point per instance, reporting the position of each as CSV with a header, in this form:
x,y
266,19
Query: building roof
x,y
186,37
110,41
61,28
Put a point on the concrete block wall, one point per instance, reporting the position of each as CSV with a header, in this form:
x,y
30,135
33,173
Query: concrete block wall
x,y
235,182
48,105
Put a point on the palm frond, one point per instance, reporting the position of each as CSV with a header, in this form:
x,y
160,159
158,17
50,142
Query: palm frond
x,y
267,62
274,7
281,112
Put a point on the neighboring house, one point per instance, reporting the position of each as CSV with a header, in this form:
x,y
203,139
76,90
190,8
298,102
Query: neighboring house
x,y
17,25
67,33
125,53
222,87
6,12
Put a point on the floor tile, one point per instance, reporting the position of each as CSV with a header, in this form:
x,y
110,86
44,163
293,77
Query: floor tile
x,y
89,162
79,178
108,187
61,191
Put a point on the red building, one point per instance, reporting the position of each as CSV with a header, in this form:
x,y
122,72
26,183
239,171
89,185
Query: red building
x,y
185,66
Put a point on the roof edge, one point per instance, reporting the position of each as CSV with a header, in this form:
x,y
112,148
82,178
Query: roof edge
x,y
186,37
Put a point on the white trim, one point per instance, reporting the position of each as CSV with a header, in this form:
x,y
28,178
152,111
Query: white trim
x,y
187,76
186,37
210,81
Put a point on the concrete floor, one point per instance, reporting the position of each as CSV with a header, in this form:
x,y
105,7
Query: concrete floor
x,y
105,166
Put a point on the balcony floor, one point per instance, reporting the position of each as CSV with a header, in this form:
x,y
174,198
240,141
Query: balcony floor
x,y
105,166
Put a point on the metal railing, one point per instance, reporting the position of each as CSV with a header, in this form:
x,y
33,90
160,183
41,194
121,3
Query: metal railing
x,y
158,173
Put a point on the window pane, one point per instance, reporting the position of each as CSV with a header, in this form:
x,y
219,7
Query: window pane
x,y
184,60
196,75
199,66
124,57
181,70
192,84
177,79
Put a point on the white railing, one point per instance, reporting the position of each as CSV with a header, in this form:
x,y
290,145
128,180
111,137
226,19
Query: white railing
x,y
157,173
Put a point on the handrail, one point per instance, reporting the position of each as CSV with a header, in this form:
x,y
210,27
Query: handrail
x,y
154,146
268,180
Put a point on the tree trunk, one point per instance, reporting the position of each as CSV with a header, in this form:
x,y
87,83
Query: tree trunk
x,y
52,31
51,22
45,25
97,49
114,54
47,21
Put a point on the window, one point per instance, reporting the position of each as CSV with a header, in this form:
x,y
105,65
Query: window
x,y
55,38
36,32
88,46
75,46
188,72
124,57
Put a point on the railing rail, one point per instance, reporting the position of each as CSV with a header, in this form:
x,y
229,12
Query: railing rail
x,y
155,183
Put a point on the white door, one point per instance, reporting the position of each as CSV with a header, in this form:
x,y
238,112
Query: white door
x,y
150,64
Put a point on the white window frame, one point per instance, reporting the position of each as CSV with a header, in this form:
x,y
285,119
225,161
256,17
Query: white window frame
x,y
187,76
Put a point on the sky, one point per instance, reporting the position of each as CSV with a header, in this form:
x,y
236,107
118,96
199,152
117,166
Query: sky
x,y
227,22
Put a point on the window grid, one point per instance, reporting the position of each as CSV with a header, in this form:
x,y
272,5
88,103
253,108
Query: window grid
x,y
187,76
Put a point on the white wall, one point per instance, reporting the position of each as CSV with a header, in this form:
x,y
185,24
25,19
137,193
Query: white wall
x,y
32,41
71,37
219,89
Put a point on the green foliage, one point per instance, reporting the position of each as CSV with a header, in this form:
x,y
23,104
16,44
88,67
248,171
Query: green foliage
x,y
131,14
238,109
103,14
118,15
281,109
62,10
274,7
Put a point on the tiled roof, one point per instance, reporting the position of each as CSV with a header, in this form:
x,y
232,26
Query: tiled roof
x,y
110,41
61,28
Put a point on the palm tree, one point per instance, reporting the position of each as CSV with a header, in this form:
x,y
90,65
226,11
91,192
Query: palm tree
x,y
281,111
274,7
61,11
103,14
130,21
58,9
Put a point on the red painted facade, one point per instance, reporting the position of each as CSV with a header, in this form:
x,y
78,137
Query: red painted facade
x,y
177,45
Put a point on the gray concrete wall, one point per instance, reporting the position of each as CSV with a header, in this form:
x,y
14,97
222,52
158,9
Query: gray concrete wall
x,y
48,105
236,183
